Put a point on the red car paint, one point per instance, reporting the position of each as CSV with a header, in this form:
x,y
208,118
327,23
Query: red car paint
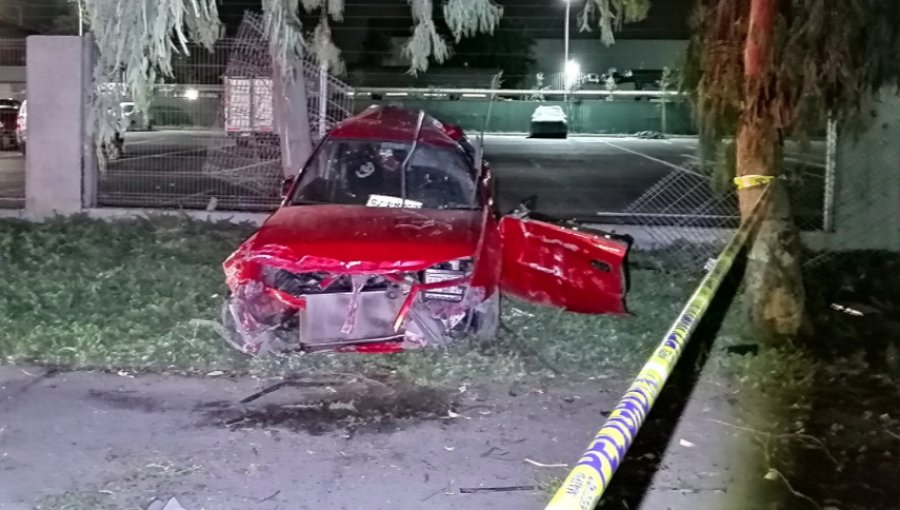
x,y
364,240
533,260
394,125
554,266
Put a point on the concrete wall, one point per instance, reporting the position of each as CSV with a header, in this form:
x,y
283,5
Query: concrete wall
x,y
53,167
867,198
586,117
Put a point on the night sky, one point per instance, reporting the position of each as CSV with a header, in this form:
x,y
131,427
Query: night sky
x,y
542,18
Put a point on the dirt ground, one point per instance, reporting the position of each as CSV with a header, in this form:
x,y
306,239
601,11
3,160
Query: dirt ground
x,y
83,440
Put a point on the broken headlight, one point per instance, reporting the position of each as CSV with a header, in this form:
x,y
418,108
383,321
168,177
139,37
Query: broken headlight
x,y
444,272
292,283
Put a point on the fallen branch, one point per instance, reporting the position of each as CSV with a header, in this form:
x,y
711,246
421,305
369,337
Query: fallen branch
x,y
270,497
790,488
477,490
787,435
282,384
539,464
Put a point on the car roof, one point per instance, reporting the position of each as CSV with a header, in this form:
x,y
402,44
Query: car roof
x,y
393,124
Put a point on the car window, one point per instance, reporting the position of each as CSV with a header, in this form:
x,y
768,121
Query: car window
x,y
356,172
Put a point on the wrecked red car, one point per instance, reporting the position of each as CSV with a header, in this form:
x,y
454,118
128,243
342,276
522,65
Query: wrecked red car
x,y
389,239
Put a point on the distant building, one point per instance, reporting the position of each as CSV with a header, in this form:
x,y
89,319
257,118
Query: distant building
x,y
12,59
392,70
9,30
595,58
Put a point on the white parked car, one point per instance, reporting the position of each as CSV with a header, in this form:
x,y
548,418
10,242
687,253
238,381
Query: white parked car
x,y
549,122
9,109
135,121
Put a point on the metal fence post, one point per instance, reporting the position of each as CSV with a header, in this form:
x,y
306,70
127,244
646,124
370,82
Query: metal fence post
x,y
323,99
89,154
830,174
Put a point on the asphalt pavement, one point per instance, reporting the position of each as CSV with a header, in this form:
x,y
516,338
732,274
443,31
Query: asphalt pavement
x,y
12,179
104,440
607,179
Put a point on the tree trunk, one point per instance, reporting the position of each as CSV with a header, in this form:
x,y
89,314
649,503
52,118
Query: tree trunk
x,y
774,281
291,116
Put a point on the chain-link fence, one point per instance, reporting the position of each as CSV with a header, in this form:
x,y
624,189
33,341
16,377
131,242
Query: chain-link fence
x,y
691,217
862,183
12,92
209,141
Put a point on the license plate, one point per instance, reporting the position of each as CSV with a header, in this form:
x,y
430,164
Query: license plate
x,y
453,293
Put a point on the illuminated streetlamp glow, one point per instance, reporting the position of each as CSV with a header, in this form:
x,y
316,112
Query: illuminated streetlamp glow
x,y
573,73
566,61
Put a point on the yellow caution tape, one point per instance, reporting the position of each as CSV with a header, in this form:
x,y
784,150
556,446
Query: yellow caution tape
x,y
590,477
752,181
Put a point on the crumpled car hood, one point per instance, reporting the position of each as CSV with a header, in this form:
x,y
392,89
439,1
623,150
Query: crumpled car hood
x,y
345,239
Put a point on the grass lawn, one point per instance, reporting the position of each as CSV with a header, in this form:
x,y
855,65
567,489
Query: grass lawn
x,y
122,295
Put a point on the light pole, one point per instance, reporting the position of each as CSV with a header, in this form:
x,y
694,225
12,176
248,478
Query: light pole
x,y
568,17
566,52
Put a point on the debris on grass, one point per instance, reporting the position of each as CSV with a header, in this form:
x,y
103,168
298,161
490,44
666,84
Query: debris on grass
x,y
171,504
513,488
542,465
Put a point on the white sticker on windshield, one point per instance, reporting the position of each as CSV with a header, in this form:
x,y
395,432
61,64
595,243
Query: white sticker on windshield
x,y
389,201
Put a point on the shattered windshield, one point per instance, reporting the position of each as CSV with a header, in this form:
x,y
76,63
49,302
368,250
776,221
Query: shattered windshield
x,y
359,172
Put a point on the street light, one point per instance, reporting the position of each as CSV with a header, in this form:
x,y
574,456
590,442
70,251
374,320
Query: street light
x,y
568,64
572,74
566,37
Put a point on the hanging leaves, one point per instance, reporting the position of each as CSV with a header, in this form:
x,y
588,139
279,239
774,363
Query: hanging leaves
x,y
131,65
327,53
283,30
467,18
828,56
610,15
425,42
334,8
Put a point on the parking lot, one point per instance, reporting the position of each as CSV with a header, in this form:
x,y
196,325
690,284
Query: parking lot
x,y
585,177
12,179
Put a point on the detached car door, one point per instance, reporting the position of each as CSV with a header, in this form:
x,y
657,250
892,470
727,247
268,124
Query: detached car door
x,y
555,266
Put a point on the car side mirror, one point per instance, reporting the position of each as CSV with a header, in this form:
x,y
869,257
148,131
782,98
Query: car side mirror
x,y
286,185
